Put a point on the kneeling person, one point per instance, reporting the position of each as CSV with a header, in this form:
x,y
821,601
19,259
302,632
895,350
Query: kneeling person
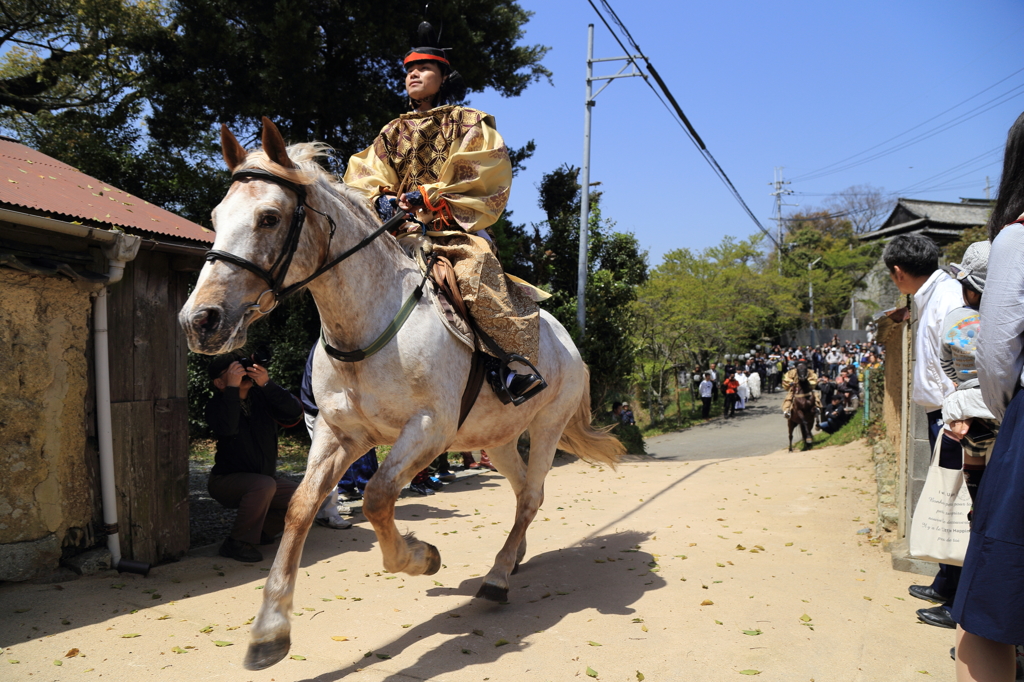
x,y
244,414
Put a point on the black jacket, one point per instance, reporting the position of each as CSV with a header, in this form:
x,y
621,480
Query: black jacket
x,y
247,438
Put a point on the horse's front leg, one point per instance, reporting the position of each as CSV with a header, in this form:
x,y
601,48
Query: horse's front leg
x,y
270,637
419,443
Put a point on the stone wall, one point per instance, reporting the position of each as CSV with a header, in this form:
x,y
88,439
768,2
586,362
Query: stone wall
x,y
885,453
47,490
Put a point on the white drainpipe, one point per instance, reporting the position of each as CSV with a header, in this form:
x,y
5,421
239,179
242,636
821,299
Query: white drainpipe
x,y
122,250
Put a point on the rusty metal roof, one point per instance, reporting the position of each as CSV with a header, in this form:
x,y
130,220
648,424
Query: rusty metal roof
x,y
37,181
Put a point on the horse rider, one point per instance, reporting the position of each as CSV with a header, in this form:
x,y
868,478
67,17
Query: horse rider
x,y
791,384
447,167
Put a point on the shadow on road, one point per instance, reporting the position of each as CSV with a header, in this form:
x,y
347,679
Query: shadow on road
x,y
607,573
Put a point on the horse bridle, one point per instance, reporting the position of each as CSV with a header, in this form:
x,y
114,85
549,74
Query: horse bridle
x,y
277,273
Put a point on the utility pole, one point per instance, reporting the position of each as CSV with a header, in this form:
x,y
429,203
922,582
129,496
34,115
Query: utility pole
x,y
583,267
780,192
988,186
810,297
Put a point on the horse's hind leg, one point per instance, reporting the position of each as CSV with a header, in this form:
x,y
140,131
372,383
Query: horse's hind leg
x,y
528,483
270,637
790,425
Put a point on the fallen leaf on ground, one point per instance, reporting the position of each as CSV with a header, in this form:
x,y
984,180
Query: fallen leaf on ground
x,y
339,638
640,676
71,654
130,635
591,672
707,602
750,672
222,643
296,657
752,632
178,650
501,642
593,644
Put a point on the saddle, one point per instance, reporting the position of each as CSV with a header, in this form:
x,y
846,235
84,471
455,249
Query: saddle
x,y
455,314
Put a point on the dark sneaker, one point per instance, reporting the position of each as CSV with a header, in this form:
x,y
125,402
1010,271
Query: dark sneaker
x,y
240,551
447,477
523,383
433,483
421,489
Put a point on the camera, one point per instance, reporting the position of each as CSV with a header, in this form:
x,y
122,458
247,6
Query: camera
x,y
262,356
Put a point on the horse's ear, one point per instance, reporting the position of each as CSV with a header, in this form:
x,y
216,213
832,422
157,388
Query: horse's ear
x,y
273,145
234,153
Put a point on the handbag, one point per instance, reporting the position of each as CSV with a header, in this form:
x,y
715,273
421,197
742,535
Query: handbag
x,y
940,529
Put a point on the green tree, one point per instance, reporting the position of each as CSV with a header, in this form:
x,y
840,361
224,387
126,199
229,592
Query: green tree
x,y
324,70
616,266
954,253
72,54
698,305
845,261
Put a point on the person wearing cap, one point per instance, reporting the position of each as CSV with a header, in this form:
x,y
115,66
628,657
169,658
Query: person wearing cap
x,y
447,166
964,412
244,414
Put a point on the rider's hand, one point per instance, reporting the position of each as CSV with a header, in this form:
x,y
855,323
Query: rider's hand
x,y
235,374
258,374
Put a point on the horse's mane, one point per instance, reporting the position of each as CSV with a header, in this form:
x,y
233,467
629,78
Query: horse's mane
x,y
311,174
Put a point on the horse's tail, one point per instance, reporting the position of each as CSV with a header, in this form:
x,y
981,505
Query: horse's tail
x,y
596,446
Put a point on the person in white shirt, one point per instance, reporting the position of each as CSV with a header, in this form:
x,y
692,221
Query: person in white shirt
x,y
833,358
743,392
913,262
706,389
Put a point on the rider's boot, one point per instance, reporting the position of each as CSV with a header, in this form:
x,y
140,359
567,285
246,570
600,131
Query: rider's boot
x,y
521,384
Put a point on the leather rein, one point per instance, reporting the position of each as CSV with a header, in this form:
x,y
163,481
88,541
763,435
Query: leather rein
x,y
277,273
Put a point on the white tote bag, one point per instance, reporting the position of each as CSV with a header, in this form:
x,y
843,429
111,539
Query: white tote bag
x,y
940,530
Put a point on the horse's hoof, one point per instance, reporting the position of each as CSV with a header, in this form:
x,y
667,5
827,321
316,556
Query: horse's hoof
x,y
433,559
262,655
492,592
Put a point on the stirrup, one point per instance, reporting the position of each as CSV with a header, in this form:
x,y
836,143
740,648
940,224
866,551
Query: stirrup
x,y
498,370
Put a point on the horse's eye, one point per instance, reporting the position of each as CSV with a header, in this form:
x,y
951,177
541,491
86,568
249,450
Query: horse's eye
x,y
269,220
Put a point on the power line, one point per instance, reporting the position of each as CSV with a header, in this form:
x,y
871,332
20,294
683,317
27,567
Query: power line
x,y
1002,98
679,116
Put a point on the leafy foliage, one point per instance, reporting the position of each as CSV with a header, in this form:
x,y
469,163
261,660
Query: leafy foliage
x,y
844,262
67,54
329,71
954,253
698,305
616,266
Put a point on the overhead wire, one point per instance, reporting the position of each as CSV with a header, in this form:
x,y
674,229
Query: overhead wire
x,y
678,116
1002,98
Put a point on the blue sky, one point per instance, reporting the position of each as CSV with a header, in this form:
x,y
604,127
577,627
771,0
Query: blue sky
x,y
801,85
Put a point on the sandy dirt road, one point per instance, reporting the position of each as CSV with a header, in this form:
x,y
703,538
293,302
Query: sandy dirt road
x,y
695,565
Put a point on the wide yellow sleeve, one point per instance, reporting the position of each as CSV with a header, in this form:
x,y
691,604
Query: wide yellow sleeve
x,y
367,173
476,179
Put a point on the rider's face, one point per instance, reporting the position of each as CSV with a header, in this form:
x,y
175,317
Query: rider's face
x,y
423,80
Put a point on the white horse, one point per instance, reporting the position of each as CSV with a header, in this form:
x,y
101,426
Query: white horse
x,y
407,395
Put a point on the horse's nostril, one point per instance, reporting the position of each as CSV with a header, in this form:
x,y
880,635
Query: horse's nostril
x,y
206,320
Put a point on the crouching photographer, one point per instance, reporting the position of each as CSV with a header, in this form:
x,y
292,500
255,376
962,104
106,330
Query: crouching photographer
x,y
244,414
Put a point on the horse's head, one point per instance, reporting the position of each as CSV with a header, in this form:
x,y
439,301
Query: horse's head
x,y
251,260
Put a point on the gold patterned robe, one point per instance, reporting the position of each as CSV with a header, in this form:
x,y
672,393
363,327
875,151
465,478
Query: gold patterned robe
x,y
456,157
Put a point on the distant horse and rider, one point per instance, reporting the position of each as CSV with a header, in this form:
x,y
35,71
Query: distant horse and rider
x,y
800,407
